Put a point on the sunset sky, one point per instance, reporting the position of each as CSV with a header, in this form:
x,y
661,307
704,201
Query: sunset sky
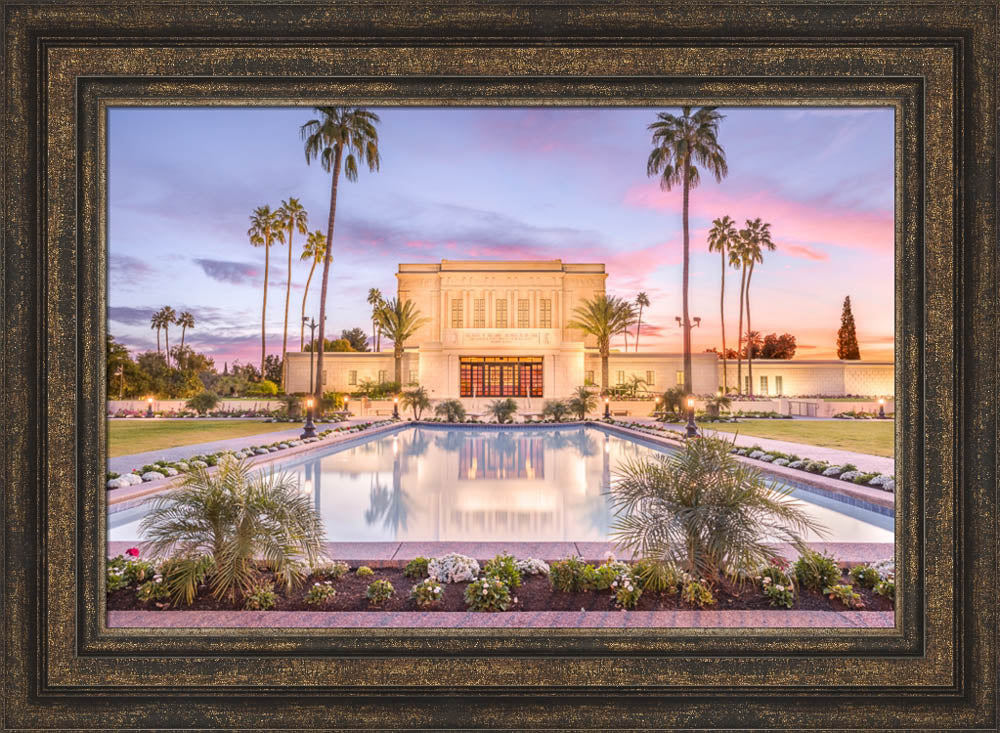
x,y
519,183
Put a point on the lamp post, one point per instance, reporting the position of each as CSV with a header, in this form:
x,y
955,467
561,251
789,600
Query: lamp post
x,y
607,408
395,407
309,430
347,408
149,407
881,408
121,375
656,410
692,429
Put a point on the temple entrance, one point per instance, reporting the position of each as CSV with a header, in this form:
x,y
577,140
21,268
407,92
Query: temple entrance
x,y
500,376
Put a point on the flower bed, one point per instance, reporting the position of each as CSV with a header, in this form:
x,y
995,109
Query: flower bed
x,y
163,468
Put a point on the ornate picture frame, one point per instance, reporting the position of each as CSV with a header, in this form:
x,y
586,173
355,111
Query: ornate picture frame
x,y
67,63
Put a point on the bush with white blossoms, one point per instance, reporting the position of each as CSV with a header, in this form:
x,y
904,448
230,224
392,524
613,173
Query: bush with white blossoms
x,y
797,464
780,462
488,593
767,458
833,471
850,475
756,454
533,566
427,592
320,592
155,589
780,593
152,476
627,591
453,568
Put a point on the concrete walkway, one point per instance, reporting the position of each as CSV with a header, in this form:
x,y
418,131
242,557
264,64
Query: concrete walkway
x,y
833,456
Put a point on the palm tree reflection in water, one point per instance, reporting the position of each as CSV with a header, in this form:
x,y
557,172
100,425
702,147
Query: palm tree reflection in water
x,y
391,506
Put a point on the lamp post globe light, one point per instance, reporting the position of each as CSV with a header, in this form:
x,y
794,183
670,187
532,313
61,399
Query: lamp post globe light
x,y
881,407
395,407
691,429
149,407
309,430
347,407
607,408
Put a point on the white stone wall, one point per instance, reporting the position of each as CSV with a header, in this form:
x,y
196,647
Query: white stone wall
x,y
817,377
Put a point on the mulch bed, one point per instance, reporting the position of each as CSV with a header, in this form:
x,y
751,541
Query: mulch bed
x,y
535,594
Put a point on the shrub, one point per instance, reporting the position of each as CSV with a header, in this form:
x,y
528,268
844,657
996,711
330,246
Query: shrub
x,y
364,572
718,510
555,410
845,594
504,567
533,566
886,588
379,591
220,525
865,576
697,593
263,388
567,576
453,568
778,586
320,592
450,410
153,590
627,590
488,593
260,598
123,570
334,570
502,411
427,592
657,575
416,568
203,402
816,466
816,571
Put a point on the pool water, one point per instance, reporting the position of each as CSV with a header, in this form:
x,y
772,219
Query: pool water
x,y
481,485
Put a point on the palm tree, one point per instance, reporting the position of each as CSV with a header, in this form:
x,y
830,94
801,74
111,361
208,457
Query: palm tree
x,y
716,403
555,409
721,237
375,300
416,399
156,321
603,317
450,410
502,411
339,137
680,144
705,511
216,526
399,320
641,300
169,317
313,250
185,320
757,237
265,229
582,402
291,218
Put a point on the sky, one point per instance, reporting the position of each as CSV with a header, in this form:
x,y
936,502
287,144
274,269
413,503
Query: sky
x,y
499,183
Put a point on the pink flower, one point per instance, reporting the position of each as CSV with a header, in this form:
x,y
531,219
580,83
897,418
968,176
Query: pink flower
x,y
133,551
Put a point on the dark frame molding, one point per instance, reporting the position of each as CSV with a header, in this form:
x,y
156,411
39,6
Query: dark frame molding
x,y
65,64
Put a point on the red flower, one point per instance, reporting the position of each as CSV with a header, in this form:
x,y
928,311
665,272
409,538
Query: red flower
x,y
133,551
780,563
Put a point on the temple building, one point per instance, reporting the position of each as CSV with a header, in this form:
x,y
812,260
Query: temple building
x,y
501,329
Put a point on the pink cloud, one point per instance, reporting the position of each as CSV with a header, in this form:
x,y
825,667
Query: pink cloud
x,y
793,223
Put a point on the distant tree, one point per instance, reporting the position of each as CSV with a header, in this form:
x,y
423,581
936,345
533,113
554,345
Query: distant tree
x,y
328,345
399,320
730,352
756,240
847,337
312,251
356,338
376,301
642,301
777,347
752,345
265,229
185,320
721,237
202,402
292,218
273,368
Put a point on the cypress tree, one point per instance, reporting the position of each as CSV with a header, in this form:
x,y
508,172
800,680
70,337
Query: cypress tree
x,y
847,338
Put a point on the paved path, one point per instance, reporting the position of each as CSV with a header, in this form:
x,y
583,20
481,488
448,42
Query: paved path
x,y
834,456
124,464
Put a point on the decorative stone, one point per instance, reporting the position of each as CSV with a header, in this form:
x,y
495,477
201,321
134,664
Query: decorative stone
x,y
261,451
833,471
199,464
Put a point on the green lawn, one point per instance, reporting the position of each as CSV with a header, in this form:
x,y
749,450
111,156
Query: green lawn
x,y
874,437
137,435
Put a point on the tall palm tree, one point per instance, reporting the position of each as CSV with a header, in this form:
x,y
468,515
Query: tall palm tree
x,y
641,300
156,321
757,236
738,254
720,238
291,218
399,320
314,249
169,317
680,145
265,230
375,300
340,137
185,320
603,317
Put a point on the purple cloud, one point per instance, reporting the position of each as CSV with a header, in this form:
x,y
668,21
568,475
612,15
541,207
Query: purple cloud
x,y
228,271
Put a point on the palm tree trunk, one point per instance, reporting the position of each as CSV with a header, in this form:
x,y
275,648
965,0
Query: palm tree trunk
x,y
739,335
327,258
626,340
684,277
288,294
183,329
263,309
398,358
638,326
722,320
157,340
166,342
604,371
374,342
302,327
749,343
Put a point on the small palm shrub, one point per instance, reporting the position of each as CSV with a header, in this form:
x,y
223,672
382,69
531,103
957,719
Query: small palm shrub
x,y
845,594
320,592
415,399
502,411
583,401
379,591
427,592
865,576
705,511
567,576
364,572
697,593
816,571
505,568
450,410
555,410
260,598
488,593
416,568
220,527
656,575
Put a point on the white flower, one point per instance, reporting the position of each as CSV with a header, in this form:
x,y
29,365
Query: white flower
x,y
780,587
484,591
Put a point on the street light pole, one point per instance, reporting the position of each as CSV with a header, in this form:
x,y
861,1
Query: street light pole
x,y
607,408
309,430
395,407
149,407
691,429
881,407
